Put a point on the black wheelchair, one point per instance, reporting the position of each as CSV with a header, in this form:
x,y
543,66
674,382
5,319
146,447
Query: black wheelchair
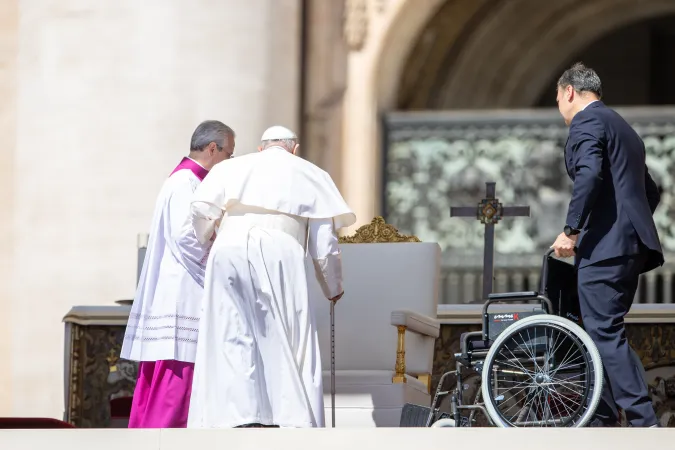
x,y
538,366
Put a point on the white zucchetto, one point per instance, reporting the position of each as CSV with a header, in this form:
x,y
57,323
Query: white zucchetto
x,y
277,133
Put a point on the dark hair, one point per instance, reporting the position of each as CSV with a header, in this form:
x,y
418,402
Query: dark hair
x,y
582,79
207,132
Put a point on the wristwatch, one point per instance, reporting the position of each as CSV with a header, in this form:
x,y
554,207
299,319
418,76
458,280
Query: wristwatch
x,y
569,231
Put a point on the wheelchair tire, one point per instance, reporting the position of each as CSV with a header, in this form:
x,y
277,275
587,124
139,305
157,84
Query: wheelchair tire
x,y
444,423
589,353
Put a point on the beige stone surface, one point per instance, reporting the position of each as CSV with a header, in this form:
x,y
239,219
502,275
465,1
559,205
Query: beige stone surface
x,y
99,100
8,55
324,84
374,70
338,439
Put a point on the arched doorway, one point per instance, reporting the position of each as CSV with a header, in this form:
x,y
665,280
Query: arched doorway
x,y
502,54
636,63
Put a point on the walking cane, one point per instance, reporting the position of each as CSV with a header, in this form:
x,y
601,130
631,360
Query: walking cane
x,y
332,360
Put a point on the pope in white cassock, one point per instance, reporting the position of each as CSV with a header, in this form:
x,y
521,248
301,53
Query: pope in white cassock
x,y
258,362
164,320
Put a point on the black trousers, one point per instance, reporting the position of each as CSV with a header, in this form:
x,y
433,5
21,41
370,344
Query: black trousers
x,y
606,292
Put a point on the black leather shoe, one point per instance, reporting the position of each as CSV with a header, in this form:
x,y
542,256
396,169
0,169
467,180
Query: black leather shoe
x,y
256,425
656,425
597,423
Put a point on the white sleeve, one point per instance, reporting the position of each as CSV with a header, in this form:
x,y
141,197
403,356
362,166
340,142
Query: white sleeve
x,y
204,220
325,253
178,207
190,253
193,253
206,208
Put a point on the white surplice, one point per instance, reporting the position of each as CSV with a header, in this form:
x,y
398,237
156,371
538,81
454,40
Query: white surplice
x,y
258,358
164,319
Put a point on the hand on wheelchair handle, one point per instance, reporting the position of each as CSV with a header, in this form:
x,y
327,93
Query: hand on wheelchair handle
x,y
564,246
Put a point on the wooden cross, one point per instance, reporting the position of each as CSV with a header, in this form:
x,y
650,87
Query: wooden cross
x,y
489,212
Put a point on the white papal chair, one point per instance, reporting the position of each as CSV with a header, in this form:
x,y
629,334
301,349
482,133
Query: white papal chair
x,y
385,326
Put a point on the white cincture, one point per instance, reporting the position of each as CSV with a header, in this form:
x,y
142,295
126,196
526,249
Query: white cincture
x,y
295,226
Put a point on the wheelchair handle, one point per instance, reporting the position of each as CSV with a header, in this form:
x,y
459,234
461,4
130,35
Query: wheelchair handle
x,y
544,271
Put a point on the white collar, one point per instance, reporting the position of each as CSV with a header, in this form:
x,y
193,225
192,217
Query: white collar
x,y
589,103
196,162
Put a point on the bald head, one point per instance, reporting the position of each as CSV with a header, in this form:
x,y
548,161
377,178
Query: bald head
x,y
278,136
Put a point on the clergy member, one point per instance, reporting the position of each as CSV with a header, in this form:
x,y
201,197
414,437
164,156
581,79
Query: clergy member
x,y
258,361
164,320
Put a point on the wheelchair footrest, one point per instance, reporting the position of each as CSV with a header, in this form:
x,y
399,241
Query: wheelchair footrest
x,y
414,415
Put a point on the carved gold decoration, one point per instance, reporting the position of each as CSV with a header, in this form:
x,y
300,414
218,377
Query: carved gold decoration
x,y
356,23
399,368
377,232
426,379
112,359
97,374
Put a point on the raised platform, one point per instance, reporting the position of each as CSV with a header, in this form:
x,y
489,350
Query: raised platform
x,y
339,439
93,370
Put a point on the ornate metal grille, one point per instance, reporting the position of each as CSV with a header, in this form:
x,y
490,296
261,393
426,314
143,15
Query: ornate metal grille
x,y
435,159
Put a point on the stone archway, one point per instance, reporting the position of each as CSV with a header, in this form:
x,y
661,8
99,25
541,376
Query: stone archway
x,y
484,65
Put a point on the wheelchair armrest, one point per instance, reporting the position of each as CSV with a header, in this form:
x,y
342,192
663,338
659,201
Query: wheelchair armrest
x,y
469,337
417,323
465,354
506,296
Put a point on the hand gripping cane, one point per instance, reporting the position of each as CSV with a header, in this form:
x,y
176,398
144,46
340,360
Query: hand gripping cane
x,y
332,360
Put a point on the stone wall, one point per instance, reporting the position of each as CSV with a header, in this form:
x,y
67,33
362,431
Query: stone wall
x,y
99,100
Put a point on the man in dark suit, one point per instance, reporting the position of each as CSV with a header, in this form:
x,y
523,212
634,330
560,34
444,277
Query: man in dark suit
x,y
610,229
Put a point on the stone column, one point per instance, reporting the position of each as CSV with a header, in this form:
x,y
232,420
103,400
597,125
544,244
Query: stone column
x,y
324,84
380,36
9,22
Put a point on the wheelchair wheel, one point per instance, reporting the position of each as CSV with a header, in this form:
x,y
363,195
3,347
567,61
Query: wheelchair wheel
x,y
444,423
542,371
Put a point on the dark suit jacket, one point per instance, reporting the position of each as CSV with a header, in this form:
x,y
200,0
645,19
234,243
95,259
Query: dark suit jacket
x,y
614,196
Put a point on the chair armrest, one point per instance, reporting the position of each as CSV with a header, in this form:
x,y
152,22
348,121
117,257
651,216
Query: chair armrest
x,y
416,322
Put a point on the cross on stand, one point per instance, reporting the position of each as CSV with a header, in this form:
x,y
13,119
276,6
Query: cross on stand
x,y
489,211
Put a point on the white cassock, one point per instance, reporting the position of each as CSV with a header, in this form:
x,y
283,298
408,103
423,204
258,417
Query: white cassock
x,y
258,359
164,319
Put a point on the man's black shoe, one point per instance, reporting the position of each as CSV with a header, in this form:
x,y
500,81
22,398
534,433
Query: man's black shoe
x,y
597,423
